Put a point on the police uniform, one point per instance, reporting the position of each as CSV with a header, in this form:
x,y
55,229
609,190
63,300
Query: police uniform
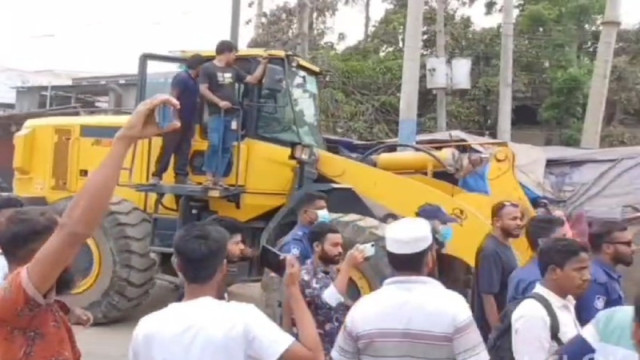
x,y
328,307
605,291
296,243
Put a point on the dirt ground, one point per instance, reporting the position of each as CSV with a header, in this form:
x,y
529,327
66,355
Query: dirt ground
x,y
111,342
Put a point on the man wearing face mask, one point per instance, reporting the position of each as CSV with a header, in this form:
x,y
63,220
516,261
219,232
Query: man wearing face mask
x,y
312,208
440,223
324,282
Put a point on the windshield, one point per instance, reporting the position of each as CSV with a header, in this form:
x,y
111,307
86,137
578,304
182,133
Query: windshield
x,y
292,115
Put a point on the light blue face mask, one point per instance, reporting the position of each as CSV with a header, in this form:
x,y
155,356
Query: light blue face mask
x,y
323,215
446,234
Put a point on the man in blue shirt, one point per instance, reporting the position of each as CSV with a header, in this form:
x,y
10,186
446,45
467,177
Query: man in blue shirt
x,y
185,88
611,245
524,279
312,208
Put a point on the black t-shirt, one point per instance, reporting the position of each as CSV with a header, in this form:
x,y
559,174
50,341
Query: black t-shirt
x,y
495,261
221,81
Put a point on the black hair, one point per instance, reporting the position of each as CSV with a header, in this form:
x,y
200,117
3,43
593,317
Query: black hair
x,y
194,61
10,202
319,232
23,232
231,225
200,249
307,199
408,263
541,227
558,252
600,233
497,208
225,47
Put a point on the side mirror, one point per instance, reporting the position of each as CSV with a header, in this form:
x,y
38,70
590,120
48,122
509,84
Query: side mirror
x,y
274,79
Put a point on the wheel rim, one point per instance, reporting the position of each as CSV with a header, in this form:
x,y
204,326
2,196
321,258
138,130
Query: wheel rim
x,y
358,285
87,266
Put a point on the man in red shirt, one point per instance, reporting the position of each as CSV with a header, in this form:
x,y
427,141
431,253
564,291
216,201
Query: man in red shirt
x,y
40,248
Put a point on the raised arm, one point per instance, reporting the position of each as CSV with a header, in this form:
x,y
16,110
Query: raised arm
x,y
258,74
86,211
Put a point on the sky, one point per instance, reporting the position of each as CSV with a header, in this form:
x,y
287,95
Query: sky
x,y
108,36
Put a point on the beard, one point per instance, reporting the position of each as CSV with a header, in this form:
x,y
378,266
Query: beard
x,y
623,260
325,258
65,282
511,234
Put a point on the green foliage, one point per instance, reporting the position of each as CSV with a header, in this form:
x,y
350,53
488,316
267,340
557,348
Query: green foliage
x,y
555,45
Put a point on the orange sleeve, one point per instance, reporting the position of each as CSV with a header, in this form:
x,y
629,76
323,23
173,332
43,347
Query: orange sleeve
x,y
18,298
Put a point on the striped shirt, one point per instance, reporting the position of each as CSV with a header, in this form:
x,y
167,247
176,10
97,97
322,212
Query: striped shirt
x,y
410,318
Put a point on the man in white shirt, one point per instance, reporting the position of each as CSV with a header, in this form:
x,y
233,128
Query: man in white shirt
x,y
565,266
412,316
204,327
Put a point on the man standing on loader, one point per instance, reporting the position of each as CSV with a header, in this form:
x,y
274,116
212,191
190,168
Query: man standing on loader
x,y
184,87
218,87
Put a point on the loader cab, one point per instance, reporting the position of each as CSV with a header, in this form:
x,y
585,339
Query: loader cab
x,y
283,110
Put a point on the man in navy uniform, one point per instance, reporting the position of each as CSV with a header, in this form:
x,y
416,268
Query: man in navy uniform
x,y
611,245
312,208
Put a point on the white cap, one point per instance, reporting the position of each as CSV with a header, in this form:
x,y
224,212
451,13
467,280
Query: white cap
x,y
408,235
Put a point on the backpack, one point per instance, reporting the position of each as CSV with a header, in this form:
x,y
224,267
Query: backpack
x,y
499,344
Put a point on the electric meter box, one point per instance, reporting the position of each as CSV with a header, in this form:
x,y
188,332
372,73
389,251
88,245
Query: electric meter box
x,y
461,74
437,73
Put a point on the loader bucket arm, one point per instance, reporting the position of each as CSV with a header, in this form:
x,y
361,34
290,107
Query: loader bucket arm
x,y
404,195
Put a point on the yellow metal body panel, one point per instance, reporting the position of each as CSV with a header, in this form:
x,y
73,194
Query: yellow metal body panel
x,y
404,195
443,186
67,158
502,179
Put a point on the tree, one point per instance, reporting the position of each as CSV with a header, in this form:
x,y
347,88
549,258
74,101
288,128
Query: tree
x,y
555,47
279,26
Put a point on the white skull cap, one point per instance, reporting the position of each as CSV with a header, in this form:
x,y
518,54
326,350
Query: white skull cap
x,y
408,235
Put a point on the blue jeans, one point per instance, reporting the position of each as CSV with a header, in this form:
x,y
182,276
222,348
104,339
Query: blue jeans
x,y
218,160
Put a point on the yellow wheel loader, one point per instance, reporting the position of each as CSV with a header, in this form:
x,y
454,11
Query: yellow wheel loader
x,y
280,155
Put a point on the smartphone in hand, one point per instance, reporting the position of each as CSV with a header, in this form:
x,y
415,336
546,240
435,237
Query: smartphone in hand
x,y
368,249
164,116
273,260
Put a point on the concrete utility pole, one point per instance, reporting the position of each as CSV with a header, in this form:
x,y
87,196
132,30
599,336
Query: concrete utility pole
x,y
235,21
408,122
441,52
258,20
304,12
506,73
600,80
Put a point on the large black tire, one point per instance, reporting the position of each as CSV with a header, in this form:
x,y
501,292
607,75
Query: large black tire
x,y
127,270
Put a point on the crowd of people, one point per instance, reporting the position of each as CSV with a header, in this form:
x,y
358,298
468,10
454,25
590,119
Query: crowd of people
x,y
567,302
